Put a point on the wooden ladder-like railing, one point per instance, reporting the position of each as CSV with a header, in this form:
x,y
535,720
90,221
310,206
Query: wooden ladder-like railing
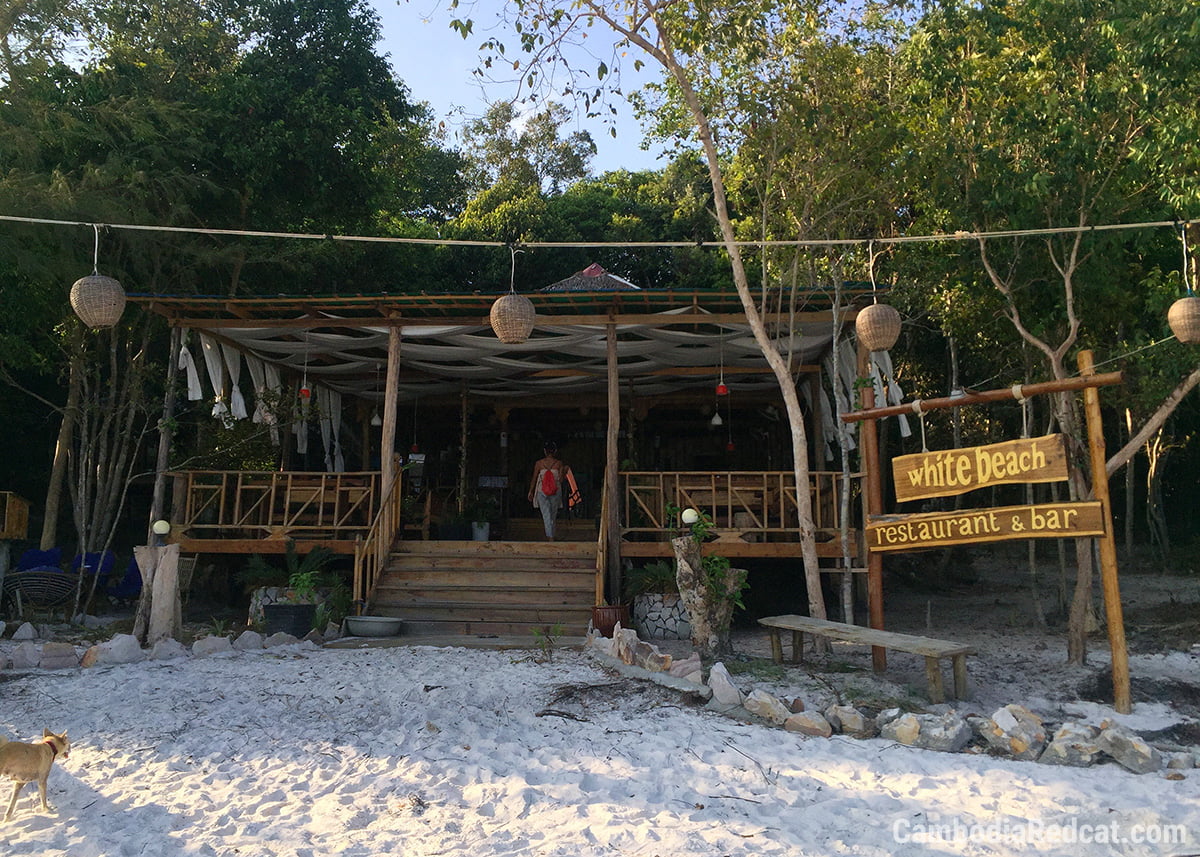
x,y
372,551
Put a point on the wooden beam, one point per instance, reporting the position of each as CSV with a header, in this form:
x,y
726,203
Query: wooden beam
x,y
1001,395
545,320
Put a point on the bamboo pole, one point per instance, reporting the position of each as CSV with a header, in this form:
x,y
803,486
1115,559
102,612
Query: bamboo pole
x,y
165,432
387,440
1106,379
1108,544
874,492
612,469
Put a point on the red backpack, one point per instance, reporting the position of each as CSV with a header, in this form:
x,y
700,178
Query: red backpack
x,y
549,485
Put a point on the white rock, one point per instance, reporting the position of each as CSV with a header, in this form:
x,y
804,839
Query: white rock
x,y
905,728
626,641
167,650
248,641
850,721
207,646
724,691
122,649
687,666
26,656
58,656
766,706
25,632
1074,744
808,723
279,639
1017,731
1128,749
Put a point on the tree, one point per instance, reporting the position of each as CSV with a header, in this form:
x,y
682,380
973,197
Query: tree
x,y
503,146
1045,114
693,44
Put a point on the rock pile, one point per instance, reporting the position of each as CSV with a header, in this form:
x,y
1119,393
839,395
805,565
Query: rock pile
x,y
1012,730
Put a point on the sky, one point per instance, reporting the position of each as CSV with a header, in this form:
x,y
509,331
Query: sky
x,y
438,65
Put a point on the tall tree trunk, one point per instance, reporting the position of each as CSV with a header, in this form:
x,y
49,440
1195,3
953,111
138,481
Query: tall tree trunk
x,y
62,450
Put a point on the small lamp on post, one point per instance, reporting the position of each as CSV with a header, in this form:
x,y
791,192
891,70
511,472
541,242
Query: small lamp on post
x,y
161,530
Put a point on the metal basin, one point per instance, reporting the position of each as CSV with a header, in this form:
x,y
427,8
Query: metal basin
x,y
373,626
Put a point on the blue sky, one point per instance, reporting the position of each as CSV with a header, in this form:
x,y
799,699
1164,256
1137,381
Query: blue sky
x,y
437,64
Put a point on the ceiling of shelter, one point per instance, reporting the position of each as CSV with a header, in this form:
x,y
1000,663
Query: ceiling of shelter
x,y
666,341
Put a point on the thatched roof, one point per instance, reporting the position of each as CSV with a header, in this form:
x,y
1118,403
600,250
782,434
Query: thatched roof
x,y
593,278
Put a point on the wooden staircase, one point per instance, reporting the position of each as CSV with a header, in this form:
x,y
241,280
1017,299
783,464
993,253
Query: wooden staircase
x,y
488,588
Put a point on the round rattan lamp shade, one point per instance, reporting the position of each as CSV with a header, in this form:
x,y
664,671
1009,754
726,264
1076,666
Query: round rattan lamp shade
x,y
98,300
512,318
878,327
1184,319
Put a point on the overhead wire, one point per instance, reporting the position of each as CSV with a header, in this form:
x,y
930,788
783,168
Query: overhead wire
x,y
459,242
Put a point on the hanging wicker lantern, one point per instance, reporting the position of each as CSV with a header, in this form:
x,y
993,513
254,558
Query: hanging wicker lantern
x,y
878,327
1184,319
512,318
98,300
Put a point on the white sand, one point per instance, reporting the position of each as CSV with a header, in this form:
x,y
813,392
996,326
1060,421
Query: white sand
x,y
423,751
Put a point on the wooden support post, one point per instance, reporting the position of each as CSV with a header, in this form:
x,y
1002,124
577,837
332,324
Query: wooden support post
x,y
1108,545
612,467
387,441
869,449
464,437
933,674
158,499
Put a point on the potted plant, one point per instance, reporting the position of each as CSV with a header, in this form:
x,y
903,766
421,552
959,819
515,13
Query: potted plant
x,y
658,611
287,597
480,510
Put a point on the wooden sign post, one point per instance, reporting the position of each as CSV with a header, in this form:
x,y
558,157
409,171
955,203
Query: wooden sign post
x,y
957,471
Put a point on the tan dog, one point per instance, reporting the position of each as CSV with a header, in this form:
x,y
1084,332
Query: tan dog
x,y
24,763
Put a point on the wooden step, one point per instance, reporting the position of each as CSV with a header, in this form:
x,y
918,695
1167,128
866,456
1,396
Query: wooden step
x,y
450,564
488,588
493,549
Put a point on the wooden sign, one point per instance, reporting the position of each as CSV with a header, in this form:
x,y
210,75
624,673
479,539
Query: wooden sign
x,y
969,526
957,471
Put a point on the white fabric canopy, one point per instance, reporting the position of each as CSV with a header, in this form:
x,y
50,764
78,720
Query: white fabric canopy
x,y
216,374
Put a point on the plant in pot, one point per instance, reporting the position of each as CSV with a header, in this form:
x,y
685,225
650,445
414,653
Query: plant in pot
x,y
658,611
287,597
480,510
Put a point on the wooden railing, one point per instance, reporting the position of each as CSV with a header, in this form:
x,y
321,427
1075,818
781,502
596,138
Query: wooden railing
x,y
371,552
760,504
281,504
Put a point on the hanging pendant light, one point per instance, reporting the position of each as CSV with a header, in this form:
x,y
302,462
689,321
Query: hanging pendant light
x,y
97,300
877,326
512,315
1184,315
722,390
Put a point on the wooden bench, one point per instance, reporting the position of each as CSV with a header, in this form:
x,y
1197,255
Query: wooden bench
x,y
932,650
